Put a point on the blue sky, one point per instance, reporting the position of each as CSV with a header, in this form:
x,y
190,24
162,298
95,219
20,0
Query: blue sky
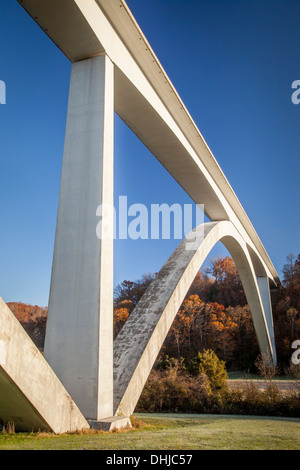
x,y
233,64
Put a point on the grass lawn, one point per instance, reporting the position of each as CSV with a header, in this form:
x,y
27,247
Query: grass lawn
x,y
173,432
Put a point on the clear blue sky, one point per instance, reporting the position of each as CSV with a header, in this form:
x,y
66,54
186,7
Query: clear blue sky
x,y
232,62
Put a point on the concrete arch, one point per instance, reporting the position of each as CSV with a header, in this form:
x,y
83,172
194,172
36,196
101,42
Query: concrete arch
x,y
264,281
258,264
140,340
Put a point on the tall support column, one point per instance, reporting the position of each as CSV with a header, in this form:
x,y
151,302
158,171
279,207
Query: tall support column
x,y
79,336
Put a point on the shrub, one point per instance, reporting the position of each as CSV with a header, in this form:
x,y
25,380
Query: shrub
x,y
209,364
173,389
202,388
266,367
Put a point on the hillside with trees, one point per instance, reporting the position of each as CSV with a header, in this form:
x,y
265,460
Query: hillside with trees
x,y
214,316
33,319
212,334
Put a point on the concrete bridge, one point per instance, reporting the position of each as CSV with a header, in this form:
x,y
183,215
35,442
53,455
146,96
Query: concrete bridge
x,y
114,69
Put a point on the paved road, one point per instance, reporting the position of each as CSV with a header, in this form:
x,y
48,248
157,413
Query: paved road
x,y
283,385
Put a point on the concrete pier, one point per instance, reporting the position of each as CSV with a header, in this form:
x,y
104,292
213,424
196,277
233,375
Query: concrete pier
x,y
79,336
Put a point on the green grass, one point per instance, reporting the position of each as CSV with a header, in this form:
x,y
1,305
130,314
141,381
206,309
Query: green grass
x,y
169,432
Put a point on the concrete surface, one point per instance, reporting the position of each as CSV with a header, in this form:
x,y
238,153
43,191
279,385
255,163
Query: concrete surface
x,y
79,334
112,423
31,396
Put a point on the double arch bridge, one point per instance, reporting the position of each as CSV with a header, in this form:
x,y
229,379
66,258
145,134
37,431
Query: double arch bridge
x,y
114,69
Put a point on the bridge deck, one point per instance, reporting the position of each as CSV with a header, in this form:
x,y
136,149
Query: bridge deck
x,y
147,101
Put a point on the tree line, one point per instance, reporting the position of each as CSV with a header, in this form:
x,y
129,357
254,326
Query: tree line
x,y
212,333
215,315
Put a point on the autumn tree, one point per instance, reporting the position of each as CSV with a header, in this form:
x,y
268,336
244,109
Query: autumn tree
x,y
291,280
286,309
121,314
227,288
199,325
246,346
184,325
33,319
201,286
132,291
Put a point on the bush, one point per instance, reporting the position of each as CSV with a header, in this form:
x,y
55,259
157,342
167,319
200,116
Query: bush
x,y
209,364
266,367
250,400
202,388
173,389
